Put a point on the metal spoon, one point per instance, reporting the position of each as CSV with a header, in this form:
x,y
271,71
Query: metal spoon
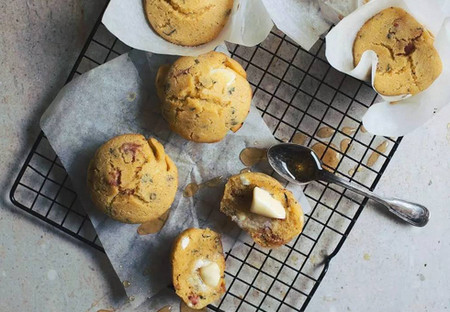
x,y
301,165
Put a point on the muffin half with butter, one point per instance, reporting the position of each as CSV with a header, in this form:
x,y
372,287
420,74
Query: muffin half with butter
x,y
204,97
132,179
261,206
408,62
198,267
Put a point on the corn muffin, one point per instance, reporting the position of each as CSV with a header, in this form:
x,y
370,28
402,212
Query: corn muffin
x,y
198,267
408,63
205,96
131,179
188,22
267,231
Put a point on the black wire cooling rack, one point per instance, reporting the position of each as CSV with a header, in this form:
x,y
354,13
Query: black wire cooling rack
x,y
297,93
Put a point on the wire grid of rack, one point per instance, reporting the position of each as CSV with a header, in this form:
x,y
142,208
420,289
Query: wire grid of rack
x,y
296,91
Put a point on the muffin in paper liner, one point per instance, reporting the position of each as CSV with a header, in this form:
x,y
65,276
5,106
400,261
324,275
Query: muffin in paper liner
x,y
401,114
248,24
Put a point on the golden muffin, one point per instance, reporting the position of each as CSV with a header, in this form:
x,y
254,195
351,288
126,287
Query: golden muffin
x,y
408,62
188,22
131,179
205,96
198,267
268,232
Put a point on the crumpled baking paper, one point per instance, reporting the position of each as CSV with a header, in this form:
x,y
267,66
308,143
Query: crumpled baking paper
x,y
386,118
249,24
306,20
119,97
335,10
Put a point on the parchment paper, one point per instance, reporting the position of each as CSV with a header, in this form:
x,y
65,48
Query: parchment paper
x,y
249,24
306,20
119,97
403,117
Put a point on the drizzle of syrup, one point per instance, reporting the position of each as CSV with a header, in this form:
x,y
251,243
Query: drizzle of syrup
x,y
330,157
245,170
185,308
299,138
250,156
166,308
153,226
325,132
131,97
348,130
376,154
213,182
352,171
126,284
192,188
345,143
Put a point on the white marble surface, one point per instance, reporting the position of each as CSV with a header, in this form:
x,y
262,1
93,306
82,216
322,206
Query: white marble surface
x,y
386,265
40,268
383,266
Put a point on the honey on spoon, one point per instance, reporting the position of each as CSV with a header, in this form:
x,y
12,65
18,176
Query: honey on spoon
x,y
300,164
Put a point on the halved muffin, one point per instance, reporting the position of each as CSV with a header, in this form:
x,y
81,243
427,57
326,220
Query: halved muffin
x,y
198,267
253,200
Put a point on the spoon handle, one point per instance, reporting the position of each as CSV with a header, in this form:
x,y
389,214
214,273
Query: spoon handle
x,y
412,213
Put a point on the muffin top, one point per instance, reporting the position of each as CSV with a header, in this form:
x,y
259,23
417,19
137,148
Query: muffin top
x,y
266,231
205,96
198,267
131,179
408,63
188,22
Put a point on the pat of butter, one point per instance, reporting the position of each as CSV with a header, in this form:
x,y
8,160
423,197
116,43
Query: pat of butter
x,y
224,73
265,205
210,274
184,242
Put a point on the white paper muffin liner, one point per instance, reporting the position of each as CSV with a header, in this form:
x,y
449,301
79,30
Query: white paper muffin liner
x,y
306,20
249,24
386,118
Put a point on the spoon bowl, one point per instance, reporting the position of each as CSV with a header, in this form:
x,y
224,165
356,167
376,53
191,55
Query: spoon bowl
x,y
296,163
